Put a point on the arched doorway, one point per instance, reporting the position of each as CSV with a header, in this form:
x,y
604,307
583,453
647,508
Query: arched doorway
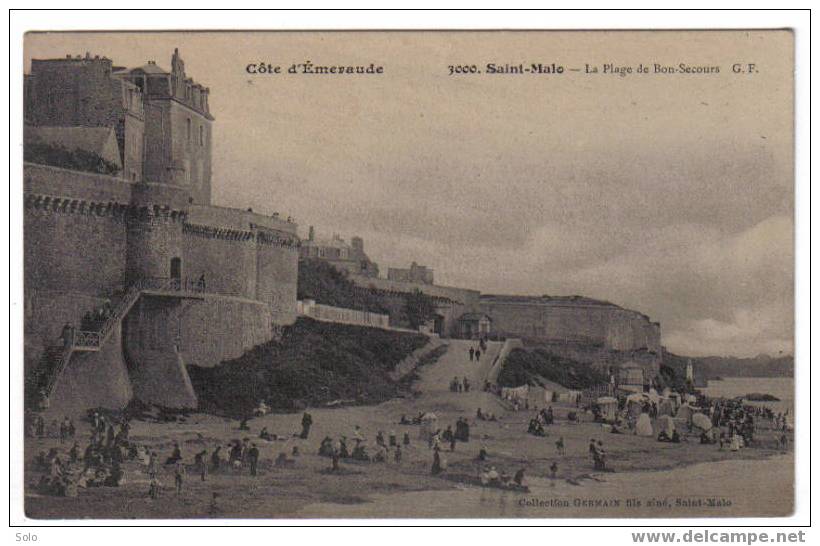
x,y
438,324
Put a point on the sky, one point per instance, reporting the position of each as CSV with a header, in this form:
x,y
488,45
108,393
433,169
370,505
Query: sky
x,y
671,194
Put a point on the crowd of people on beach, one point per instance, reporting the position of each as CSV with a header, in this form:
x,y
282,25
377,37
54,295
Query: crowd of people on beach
x,y
734,425
100,463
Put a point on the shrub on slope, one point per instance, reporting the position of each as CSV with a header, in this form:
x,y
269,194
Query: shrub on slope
x,y
525,367
314,363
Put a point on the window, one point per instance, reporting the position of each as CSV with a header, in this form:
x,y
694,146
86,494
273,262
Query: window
x,y
202,135
188,127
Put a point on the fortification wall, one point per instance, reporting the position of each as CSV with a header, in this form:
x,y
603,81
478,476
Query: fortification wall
x,y
228,218
244,254
73,245
605,326
226,258
46,312
451,302
221,328
463,296
155,367
152,244
277,272
91,187
93,379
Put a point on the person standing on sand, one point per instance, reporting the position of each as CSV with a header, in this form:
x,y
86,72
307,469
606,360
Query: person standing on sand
x,y
253,458
153,488
216,459
334,459
179,475
472,353
199,461
307,421
153,465
436,469
478,355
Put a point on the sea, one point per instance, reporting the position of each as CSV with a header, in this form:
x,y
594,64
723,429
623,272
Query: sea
x,y
731,387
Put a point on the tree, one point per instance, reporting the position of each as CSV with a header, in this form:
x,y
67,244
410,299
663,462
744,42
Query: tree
x,y
419,308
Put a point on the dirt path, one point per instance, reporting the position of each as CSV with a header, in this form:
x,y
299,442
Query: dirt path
x,y
434,380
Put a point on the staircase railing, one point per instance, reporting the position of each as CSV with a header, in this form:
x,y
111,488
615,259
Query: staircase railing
x,y
87,340
90,340
57,370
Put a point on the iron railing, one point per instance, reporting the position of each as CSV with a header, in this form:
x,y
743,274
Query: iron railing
x,y
88,340
57,370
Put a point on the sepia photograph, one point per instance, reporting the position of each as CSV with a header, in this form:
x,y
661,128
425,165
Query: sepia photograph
x,y
519,274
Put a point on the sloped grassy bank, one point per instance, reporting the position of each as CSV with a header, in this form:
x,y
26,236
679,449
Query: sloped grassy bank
x,y
313,364
530,367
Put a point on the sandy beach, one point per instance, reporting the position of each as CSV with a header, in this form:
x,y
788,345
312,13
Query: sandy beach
x,y
668,480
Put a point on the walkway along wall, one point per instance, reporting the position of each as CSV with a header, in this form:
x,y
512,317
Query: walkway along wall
x,y
328,313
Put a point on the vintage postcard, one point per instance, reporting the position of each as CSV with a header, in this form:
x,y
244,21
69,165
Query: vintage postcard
x,y
408,274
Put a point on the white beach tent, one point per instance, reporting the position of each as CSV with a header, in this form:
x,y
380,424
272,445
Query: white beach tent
x,y
644,426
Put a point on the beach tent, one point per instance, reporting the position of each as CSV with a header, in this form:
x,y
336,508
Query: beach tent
x,y
644,426
609,407
569,397
548,396
429,426
701,421
665,423
515,393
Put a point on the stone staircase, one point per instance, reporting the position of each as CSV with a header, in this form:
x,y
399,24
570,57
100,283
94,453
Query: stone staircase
x,y
40,385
